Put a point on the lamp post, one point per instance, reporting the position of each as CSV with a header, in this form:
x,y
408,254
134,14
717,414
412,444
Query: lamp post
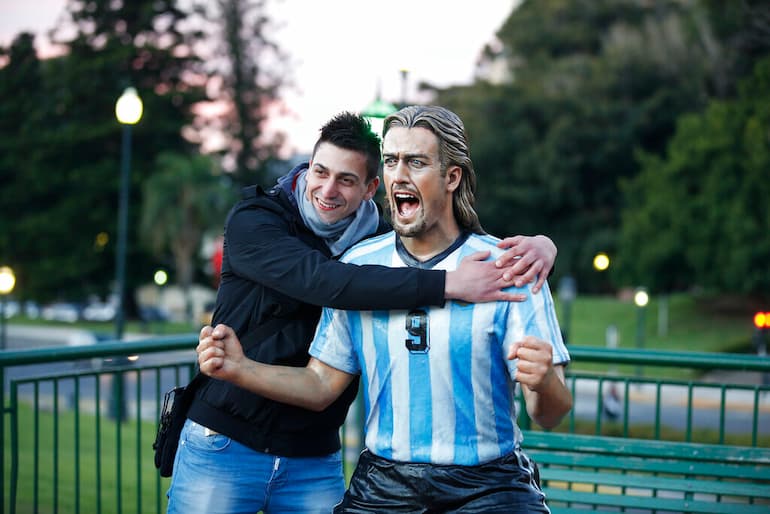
x,y
404,76
376,112
128,111
601,264
7,281
641,298
160,278
761,328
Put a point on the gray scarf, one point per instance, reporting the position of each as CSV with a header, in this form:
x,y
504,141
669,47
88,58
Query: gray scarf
x,y
343,234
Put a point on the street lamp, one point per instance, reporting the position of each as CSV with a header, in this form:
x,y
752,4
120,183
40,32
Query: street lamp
x,y
601,261
128,111
160,278
376,112
7,281
761,326
404,76
641,298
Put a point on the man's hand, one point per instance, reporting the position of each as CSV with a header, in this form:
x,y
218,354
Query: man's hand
x,y
220,354
535,366
527,258
545,392
476,280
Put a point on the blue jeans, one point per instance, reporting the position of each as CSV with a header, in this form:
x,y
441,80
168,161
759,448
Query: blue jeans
x,y
215,475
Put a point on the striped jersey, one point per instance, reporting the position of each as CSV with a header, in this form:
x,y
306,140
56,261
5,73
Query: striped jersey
x,y
437,385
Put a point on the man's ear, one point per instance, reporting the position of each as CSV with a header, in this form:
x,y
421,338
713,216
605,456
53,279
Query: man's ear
x,y
453,177
371,188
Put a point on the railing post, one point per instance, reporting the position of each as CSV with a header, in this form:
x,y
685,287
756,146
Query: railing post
x,y
3,496
117,398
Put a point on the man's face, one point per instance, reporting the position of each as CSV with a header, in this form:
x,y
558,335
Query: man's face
x,y
419,197
336,182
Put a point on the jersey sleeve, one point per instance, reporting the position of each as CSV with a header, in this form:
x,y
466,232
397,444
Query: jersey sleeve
x,y
534,317
333,344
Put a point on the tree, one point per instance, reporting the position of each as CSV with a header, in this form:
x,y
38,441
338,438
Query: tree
x,y
183,200
21,87
250,70
736,35
589,86
65,161
700,215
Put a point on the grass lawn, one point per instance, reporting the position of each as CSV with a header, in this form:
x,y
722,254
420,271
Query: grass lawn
x,y
76,464
692,325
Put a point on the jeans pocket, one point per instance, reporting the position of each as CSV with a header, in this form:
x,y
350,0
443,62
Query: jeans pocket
x,y
197,438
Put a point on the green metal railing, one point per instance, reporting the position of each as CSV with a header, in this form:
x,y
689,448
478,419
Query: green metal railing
x,y
674,401
79,440
71,442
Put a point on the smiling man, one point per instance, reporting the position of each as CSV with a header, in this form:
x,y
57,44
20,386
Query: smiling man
x,y
439,382
337,196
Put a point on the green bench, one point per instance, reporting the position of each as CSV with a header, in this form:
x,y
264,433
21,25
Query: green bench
x,y
615,474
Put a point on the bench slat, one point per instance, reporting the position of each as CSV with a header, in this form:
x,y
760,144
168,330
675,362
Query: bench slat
x,y
649,503
588,460
646,475
646,447
651,483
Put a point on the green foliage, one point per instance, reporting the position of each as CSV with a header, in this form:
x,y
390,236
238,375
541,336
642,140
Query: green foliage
x,y
556,28
591,82
703,207
60,144
592,94
253,69
182,200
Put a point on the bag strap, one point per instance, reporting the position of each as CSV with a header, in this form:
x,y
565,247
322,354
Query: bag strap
x,y
248,342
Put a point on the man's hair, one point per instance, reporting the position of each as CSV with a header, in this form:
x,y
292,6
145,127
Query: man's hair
x,y
353,132
452,151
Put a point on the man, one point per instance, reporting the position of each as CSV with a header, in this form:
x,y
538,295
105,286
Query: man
x,y
439,382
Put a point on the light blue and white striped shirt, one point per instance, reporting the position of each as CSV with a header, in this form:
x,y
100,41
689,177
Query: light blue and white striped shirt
x,y
437,385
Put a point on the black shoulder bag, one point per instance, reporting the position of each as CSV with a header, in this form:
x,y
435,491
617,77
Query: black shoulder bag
x,y
177,402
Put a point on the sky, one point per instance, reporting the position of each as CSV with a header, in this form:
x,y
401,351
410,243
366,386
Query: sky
x,y
344,51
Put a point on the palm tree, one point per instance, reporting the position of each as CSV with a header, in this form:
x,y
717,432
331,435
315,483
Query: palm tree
x,y
181,202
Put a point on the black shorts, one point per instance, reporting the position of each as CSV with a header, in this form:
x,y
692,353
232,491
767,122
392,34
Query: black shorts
x,y
509,484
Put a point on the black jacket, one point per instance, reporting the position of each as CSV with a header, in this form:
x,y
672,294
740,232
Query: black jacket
x,y
274,267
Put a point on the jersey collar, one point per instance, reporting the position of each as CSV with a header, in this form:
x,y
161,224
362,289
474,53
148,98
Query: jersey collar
x,y
411,261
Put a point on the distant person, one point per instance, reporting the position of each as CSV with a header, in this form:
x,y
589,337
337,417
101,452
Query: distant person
x,y
439,381
243,452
